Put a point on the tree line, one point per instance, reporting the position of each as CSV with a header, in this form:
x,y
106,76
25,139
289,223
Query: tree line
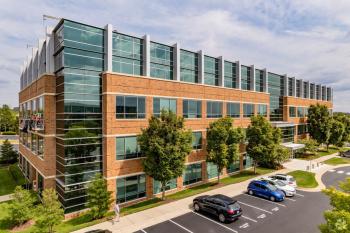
x,y
8,119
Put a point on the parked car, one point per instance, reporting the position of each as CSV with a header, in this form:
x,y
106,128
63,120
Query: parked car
x,y
263,189
288,190
226,208
345,154
287,179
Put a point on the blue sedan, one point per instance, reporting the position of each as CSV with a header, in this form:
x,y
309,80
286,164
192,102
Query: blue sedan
x,y
265,190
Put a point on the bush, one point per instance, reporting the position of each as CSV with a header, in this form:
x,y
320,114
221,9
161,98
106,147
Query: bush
x,y
9,133
22,205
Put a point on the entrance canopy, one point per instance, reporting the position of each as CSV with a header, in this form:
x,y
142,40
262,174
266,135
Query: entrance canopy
x,y
293,147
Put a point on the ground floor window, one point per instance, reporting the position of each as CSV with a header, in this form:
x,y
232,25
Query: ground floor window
x,y
212,170
233,167
40,184
192,174
247,161
131,188
157,186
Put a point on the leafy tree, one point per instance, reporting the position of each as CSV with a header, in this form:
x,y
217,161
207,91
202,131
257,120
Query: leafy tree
x,y
99,198
165,143
338,219
7,118
337,130
345,119
319,123
264,143
50,213
222,143
8,154
21,207
311,145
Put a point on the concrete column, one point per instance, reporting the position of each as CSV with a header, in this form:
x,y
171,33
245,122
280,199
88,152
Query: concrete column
x,y
320,95
285,78
200,67
265,81
238,75
252,78
308,90
146,55
314,90
294,88
301,88
176,61
35,58
108,33
50,63
221,71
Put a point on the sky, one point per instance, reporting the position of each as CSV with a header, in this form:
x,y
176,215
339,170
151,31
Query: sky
x,y
307,39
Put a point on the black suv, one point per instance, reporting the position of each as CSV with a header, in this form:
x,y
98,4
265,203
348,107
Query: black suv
x,y
226,208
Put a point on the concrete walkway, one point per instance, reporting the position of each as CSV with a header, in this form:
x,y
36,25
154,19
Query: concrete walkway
x,y
6,198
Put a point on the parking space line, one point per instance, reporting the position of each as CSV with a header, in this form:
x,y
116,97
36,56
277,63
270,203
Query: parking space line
x,y
290,199
264,200
230,229
255,207
143,231
300,195
249,218
182,227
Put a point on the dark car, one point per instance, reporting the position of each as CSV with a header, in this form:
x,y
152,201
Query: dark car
x,y
345,154
226,208
265,190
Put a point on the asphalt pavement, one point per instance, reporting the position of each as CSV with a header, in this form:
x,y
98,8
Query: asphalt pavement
x,y
333,176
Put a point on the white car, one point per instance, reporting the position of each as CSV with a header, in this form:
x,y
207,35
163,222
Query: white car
x,y
287,179
288,190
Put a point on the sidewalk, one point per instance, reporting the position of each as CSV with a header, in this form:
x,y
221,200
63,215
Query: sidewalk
x,y
6,198
308,165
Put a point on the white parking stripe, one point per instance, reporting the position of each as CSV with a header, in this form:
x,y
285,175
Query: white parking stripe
x,y
340,172
300,195
348,173
215,222
249,218
289,199
331,170
182,227
143,231
255,207
264,200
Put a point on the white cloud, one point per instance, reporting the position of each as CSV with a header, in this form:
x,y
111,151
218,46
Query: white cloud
x,y
306,39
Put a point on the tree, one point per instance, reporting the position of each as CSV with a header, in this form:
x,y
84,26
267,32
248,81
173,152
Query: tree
x,y
99,198
264,143
7,118
223,143
311,145
345,119
8,154
338,219
50,213
319,123
21,207
165,144
337,130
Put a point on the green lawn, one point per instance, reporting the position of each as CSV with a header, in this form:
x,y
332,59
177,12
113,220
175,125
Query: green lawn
x,y
9,181
322,152
337,161
304,179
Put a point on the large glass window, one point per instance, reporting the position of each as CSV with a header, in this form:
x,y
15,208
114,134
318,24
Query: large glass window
x,y
211,71
127,148
196,140
188,66
131,188
312,91
127,54
276,90
259,80
214,109
161,61
302,129
230,76
192,109
246,82
324,89
157,186
233,167
300,111
290,86
292,112
130,107
233,110
329,94
305,88
298,88
318,92
212,170
247,162
163,103
248,110
287,133
192,174
262,110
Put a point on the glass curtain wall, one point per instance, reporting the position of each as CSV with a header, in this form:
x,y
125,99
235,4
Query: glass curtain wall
x,y
230,76
245,78
161,61
79,60
259,80
211,71
188,66
276,90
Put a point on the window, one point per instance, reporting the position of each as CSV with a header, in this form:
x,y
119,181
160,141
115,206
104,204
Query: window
x,y
163,103
262,109
259,80
157,186
247,162
305,88
192,174
290,86
212,170
211,71
302,129
306,111
130,107
192,109
292,112
161,61
245,78
300,111
127,148
248,110
318,92
298,88
233,110
40,146
233,167
230,76
324,89
312,91
287,134
197,140
188,66
131,188
214,109
329,94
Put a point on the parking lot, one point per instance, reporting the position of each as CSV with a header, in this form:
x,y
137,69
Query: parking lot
x,y
333,176
301,213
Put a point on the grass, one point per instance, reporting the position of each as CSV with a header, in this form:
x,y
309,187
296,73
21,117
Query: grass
x,y
304,179
11,141
321,152
337,161
9,181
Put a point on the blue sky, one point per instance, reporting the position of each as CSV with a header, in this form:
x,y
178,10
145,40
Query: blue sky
x,y
308,39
